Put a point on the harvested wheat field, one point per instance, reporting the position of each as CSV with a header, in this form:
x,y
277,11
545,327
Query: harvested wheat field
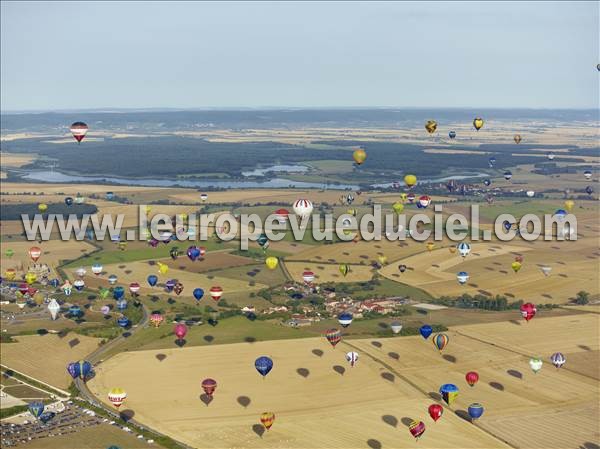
x,y
318,399
30,355
328,272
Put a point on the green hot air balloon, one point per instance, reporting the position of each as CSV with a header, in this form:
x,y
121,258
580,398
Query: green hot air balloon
x,y
9,253
344,269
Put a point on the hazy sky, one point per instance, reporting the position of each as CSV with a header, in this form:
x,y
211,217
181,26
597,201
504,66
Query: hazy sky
x,y
192,55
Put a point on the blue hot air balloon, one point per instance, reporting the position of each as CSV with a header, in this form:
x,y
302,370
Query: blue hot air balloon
x,y
74,369
452,134
110,195
560,214
426,331
55,283
263,365
85,368
75,311
118,292
152,280
36,408
345,319
121,304
198,293
492,161
69,201
123,322
449,393
475,410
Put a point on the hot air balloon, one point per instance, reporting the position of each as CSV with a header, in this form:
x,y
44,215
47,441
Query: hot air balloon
x,y
435,411
487,182
216,292
528,311
449,393
463,249
431,126
203,197
308,276
81,272
81,369
558,359
193,252
282,215
79,199
267,419
359,156
209,386
303,208
123,322
333,336
271,262
589,190
263,365
10,274
152,280
53,308
411,197
425,331
198,293
430,246
344,269
180,331
440,341
424,202
508,175
117,396
550,156
69,201
42,207
396,327
112,279
79,130
36,408
402,268
178,288
352,358
410,181
587,174
105,310
162,268
398,207
535,364
345,319
530,193
35,253
472,378
569,205
452,134
121,304
174,253
134,288
546,270
79,284
66,288
478,123
30,277
462,277
156,319
516,266
170,285
74,369
416,429
517,138
492,161
475,410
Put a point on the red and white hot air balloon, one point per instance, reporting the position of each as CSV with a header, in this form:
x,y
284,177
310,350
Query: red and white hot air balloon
x,y
134,288
216,292
303,207
308,276
282,215
116,396
35,253
79,130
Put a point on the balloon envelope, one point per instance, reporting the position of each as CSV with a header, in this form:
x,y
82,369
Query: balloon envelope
x,y
263,365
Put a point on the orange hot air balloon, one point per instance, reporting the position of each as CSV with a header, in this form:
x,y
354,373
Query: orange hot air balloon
x,y
430,246
35,253
267,419
359,156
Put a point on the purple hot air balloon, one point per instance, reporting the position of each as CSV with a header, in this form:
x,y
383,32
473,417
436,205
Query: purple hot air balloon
x,y
170,285
153,242
105,310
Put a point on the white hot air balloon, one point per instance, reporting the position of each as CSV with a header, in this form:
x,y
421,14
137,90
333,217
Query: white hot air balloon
x,y
550,156
587,174
535,364
396,327
546,270
80,272
308,276
530,193
303,207
53,308
96,269
462,277
352,358
463,249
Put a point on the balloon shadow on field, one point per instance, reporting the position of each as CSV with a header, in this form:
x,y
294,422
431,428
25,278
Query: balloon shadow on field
x,y
206,399
244,401
317,352
406,421
383,325
589,445
394,355
497,386
258,429
584,347
515,373
463,414
250,339
449,358
160,357
208,338
303,372
339,369
388,376
515,322
390,420
127,415
376,344
181,343
435,396
374,444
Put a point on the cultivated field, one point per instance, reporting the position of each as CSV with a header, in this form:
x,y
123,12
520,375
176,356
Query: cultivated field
x,y
395,380
46,357
327,272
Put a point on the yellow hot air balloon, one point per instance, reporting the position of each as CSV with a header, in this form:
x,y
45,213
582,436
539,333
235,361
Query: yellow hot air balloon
x,y
38,298
162,268
430,246
10,274
478,123
431,126
517,138
516,266
410,180
452,249
359,156
344,269
569,205
271,262
382,260
351,212
398,207
147,209
403,197
42,207
30,278
122,246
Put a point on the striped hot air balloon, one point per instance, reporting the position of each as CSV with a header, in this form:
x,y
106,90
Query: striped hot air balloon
x,y
216,292
440,341
464,249
352,358
156,319
36,408
416,429
79,130
558,359
303,207
117,396
267,419
333,336
308,276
